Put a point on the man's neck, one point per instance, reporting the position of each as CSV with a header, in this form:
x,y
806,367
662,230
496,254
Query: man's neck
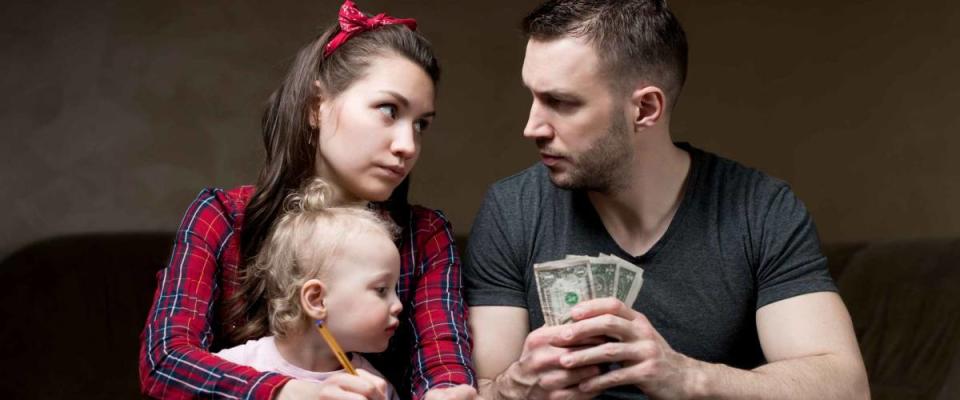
x,y
307,350
638,212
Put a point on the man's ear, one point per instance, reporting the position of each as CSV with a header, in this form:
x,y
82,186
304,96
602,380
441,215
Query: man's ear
x,y
312,296
314,104
648,104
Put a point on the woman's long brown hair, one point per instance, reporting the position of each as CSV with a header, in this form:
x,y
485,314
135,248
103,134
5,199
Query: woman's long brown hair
x,y
290,143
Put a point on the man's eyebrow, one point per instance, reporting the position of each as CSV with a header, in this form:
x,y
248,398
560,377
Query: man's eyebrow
x,y
556,94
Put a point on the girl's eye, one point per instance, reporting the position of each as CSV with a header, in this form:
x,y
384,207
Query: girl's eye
x,y
382,290
389,110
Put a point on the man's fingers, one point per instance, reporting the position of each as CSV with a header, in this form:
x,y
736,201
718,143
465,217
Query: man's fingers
x,y
597,307
608,325
608,380
573,393
606,353
562,378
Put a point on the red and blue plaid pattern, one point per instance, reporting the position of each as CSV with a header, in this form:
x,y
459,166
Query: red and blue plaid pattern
x,y
431,348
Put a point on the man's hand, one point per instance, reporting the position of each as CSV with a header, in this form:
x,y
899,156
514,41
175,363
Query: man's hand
x,y
538,373
646,359
459,392
340,386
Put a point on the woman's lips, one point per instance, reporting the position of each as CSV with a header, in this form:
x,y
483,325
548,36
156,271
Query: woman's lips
x,y
396,172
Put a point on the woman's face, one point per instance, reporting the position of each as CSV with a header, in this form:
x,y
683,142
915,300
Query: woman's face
x,y
370,133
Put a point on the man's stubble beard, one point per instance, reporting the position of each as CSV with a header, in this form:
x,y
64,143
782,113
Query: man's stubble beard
x,y
602,167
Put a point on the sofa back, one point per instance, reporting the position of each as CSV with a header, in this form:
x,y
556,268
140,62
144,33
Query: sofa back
x,y
74,306
904,298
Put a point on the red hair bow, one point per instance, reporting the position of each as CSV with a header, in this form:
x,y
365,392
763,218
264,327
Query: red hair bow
x,y
353,21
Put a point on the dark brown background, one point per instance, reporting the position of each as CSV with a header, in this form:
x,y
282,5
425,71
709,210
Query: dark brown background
x,y
114,114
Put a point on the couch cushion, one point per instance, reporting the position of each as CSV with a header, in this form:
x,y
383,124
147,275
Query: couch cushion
x,y
73,308
902,297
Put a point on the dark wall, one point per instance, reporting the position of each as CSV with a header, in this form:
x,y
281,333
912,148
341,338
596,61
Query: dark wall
x,y
114,114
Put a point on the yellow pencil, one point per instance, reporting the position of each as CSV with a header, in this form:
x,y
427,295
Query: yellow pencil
x,y
341,356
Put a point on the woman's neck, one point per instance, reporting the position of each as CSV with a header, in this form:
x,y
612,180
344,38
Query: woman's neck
x,y
307,350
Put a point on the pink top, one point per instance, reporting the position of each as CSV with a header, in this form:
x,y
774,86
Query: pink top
x,y
263,355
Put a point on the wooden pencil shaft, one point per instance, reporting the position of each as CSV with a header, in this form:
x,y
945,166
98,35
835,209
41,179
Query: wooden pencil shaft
x,y
337,351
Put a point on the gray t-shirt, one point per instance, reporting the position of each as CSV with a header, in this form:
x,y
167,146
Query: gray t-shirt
x,y
739,240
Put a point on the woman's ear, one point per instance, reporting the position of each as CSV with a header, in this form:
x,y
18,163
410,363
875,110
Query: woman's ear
x,y
314,104
312,296
648,104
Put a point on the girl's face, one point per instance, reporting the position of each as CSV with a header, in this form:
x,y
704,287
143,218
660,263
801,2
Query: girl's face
x,y
370,133
361,300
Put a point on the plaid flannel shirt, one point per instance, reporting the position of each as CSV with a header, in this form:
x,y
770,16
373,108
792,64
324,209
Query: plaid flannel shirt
x,y
431,349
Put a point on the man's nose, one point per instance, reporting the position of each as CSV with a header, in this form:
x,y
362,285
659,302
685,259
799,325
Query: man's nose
x,y
537,127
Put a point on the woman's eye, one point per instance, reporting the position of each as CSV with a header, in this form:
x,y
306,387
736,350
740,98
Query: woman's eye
x,y
389,110
421,125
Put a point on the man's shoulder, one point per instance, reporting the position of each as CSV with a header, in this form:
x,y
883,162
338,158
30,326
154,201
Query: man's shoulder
x,y
534,173
729,175
533,180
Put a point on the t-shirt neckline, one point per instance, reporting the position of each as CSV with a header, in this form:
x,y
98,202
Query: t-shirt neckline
x,y
683,209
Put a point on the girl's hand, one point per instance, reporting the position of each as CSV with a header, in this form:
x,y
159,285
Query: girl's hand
x,y
364,386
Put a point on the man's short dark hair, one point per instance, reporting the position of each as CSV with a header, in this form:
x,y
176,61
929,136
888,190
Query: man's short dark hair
x,y
633,38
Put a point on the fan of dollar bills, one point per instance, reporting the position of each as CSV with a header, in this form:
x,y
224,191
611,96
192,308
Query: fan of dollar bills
x,y
563,283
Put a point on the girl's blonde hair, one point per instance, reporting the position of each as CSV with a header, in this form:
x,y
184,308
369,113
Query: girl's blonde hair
x,y
302,245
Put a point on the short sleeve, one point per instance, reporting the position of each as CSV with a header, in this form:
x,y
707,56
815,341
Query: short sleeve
x,y
493,267
791,262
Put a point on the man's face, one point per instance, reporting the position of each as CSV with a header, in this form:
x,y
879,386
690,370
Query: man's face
x,y
577,123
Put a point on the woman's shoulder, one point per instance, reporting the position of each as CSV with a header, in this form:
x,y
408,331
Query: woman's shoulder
x,y
219,206
428,218
230,199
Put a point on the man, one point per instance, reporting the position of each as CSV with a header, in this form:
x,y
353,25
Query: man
x,y
737,301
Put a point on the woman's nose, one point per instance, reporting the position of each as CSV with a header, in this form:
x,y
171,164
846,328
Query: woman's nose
x,y
404,143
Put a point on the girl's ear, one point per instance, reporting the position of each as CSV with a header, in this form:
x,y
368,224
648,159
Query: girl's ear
x,y
312,295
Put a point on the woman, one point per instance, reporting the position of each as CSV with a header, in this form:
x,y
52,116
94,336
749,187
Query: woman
x,y
350,111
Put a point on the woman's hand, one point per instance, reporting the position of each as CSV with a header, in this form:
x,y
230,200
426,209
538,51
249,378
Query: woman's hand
x,y
340,387
459,392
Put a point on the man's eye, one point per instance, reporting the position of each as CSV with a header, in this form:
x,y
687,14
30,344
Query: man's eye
x,y
557,103
389,110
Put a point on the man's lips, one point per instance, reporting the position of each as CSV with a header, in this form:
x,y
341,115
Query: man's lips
x,y
550,159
